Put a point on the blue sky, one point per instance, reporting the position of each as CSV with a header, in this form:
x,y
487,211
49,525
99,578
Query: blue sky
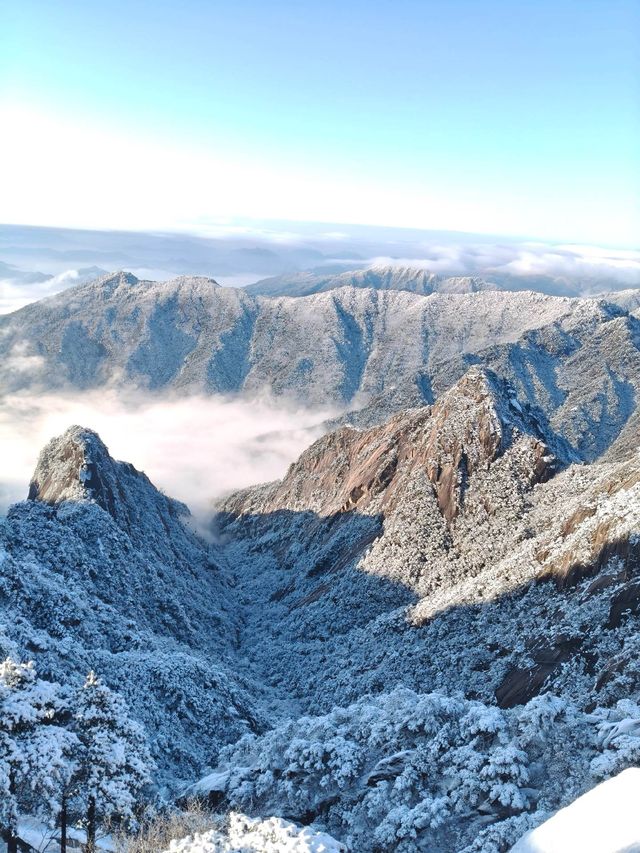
x,y
505,117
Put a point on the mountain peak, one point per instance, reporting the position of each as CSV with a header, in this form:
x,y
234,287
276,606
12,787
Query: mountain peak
x,y
470,427
77,466
462,434
194,280
68,468
117,279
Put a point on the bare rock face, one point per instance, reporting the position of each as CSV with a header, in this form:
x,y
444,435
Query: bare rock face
x,y
462,434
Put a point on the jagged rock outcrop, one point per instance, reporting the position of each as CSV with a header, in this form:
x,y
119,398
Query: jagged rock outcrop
x,y
457,524
76,466
463,433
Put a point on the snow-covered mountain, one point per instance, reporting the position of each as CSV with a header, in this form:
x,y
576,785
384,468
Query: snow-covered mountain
x,y
191,334
424,636
419,279
454,550
100,570
452,510
384,277
577,361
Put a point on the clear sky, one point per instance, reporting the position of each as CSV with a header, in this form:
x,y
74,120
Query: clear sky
x,y
500,116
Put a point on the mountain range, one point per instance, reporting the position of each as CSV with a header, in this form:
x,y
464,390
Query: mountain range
x,y
420,279
376,351
425,635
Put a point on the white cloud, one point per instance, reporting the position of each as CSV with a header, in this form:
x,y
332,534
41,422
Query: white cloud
x,y
237,261
195,448
21,360
17,291
585,266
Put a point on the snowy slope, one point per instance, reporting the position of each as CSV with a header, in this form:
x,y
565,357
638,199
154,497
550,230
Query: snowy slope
x,y
191,334
604,820
372,644
462,514
449,552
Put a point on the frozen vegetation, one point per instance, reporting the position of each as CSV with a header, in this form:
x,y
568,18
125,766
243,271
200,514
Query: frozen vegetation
x,y
423,638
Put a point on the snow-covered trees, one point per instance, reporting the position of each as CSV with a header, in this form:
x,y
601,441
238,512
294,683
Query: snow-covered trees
x,y
36,750
65,752
408,771
114,760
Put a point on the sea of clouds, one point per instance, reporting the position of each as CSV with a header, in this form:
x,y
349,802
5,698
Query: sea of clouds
x,y
35,263
195,449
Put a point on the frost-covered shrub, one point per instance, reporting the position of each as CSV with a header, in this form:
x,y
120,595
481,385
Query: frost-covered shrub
x,y
619,733
159,829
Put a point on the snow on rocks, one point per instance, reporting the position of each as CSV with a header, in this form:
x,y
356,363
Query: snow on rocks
x,y
245,835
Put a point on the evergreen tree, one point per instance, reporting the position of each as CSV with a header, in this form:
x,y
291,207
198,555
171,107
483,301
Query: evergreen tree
x,y
114,760
35,749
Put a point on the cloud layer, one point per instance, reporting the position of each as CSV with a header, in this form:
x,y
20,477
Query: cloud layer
x,y
579,266
194,449
37,262
19,287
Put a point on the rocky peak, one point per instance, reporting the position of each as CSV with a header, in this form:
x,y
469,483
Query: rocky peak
x,y
468,429
69,469
76,466
463,433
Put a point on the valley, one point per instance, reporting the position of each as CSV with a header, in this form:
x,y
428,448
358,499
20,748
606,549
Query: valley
x,y
424,636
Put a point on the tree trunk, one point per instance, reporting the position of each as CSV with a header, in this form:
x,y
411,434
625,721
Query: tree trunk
x,y
63,827
90,846
12,837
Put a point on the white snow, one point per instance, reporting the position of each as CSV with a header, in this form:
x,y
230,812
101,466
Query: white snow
x,y
42,838
604,820
245,835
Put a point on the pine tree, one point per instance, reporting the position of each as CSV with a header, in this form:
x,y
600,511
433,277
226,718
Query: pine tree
x,y
114,760
35,749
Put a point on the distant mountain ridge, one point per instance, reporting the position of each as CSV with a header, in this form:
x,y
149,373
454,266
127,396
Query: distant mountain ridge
x,y
381,277
417,278
576,360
